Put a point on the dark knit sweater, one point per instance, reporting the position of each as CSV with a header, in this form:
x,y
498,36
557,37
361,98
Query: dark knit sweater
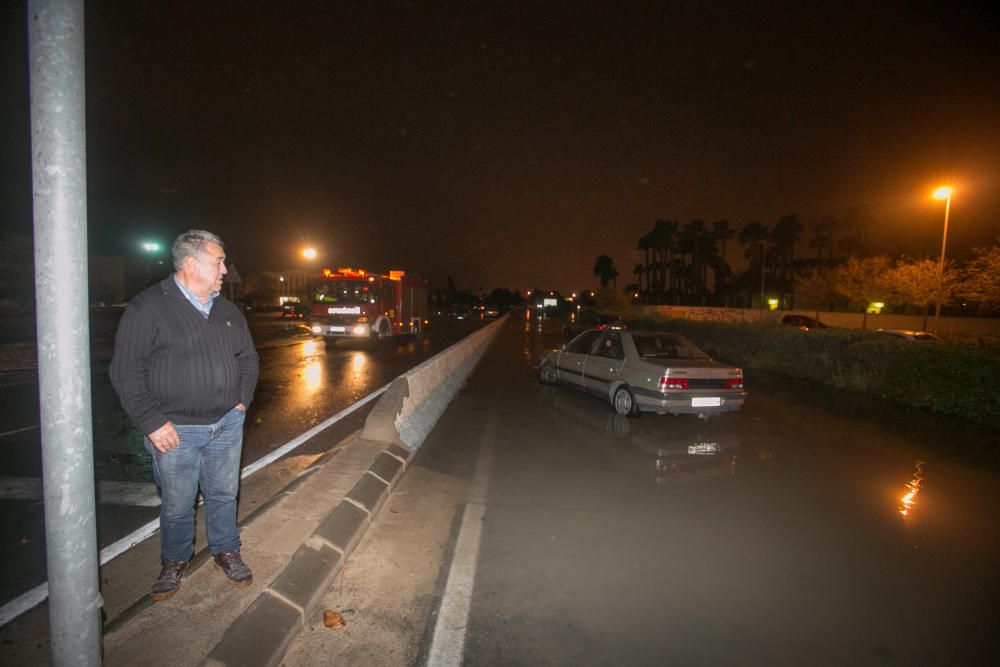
x,y
171,363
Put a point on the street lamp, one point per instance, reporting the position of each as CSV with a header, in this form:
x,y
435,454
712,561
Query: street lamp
x,y
309,253
943,192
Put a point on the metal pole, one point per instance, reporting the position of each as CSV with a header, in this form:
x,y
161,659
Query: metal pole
x,y
944,244
59,180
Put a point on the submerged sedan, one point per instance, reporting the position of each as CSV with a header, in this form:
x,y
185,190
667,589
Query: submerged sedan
x,y
645,371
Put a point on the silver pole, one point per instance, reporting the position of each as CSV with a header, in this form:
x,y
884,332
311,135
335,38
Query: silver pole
x,y
944,245
59,181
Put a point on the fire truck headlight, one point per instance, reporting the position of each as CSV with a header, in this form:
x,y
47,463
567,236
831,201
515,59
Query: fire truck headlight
x,y
360,331
317,329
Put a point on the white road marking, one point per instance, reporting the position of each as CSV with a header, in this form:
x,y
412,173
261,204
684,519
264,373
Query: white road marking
x,y
19,430
448,643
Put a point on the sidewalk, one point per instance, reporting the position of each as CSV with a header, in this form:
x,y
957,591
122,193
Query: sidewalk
x,y
288,545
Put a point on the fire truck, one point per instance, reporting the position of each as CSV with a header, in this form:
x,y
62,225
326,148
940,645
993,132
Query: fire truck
x,y
353,303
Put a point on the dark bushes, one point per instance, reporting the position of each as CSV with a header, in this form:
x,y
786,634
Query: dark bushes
x,y
951,378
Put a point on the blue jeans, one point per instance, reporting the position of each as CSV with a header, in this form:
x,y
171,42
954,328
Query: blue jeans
x,y
208,457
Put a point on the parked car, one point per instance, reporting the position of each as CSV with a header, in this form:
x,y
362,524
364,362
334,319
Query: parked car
x,y
647,371
293,310
911,334
803,322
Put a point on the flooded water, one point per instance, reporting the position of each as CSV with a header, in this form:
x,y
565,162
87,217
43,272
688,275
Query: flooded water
x,y
811,526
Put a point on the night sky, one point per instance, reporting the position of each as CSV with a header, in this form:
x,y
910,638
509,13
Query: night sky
x,y
509,144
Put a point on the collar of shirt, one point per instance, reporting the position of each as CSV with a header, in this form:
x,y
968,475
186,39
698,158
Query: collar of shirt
x,y
203,308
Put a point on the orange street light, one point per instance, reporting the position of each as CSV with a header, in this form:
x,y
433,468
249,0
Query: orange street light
x,y
309,253
943,192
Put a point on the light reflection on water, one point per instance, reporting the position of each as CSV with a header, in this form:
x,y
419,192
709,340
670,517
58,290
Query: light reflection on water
x,y
663,449
355,372
359,360
313,375
909,500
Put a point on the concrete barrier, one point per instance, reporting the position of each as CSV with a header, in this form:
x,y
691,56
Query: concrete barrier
x,y
411,406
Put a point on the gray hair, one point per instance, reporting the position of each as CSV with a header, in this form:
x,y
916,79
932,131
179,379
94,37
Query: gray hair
x,y
191,244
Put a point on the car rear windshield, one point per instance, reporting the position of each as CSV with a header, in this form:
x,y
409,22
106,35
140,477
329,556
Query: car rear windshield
x,y
666,346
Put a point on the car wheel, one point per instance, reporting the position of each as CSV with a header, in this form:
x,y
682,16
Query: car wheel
x,y
547,374
624,402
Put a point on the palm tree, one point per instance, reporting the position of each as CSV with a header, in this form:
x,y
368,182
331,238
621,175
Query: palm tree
x,y
604,269
823,236
695,233
664,238
784,237
722,232
647,243
754,236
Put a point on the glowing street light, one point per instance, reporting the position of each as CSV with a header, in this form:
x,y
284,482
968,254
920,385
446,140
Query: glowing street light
x,y
943,192
309,253
150,246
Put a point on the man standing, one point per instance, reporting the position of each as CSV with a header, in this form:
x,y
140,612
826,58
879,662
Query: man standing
x,y
185,369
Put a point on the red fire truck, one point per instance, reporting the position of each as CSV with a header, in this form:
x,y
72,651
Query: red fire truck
x,y
352,303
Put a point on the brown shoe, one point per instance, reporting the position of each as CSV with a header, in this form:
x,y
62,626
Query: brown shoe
x,y
234,567
169,580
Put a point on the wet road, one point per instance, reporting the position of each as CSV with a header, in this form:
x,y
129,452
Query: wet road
x,y
302,383
813,526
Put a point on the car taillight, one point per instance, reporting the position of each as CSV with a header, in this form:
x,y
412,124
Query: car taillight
x,y
734,383
673,383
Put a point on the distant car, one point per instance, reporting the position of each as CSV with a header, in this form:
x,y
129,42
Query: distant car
x,y
803,322
293,310
647,371
588,320
911,334
490,313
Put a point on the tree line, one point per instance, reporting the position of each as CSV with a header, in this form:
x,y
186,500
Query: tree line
x,y
688,264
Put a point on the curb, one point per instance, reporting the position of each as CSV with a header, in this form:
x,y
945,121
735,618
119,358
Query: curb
x,y
261,634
